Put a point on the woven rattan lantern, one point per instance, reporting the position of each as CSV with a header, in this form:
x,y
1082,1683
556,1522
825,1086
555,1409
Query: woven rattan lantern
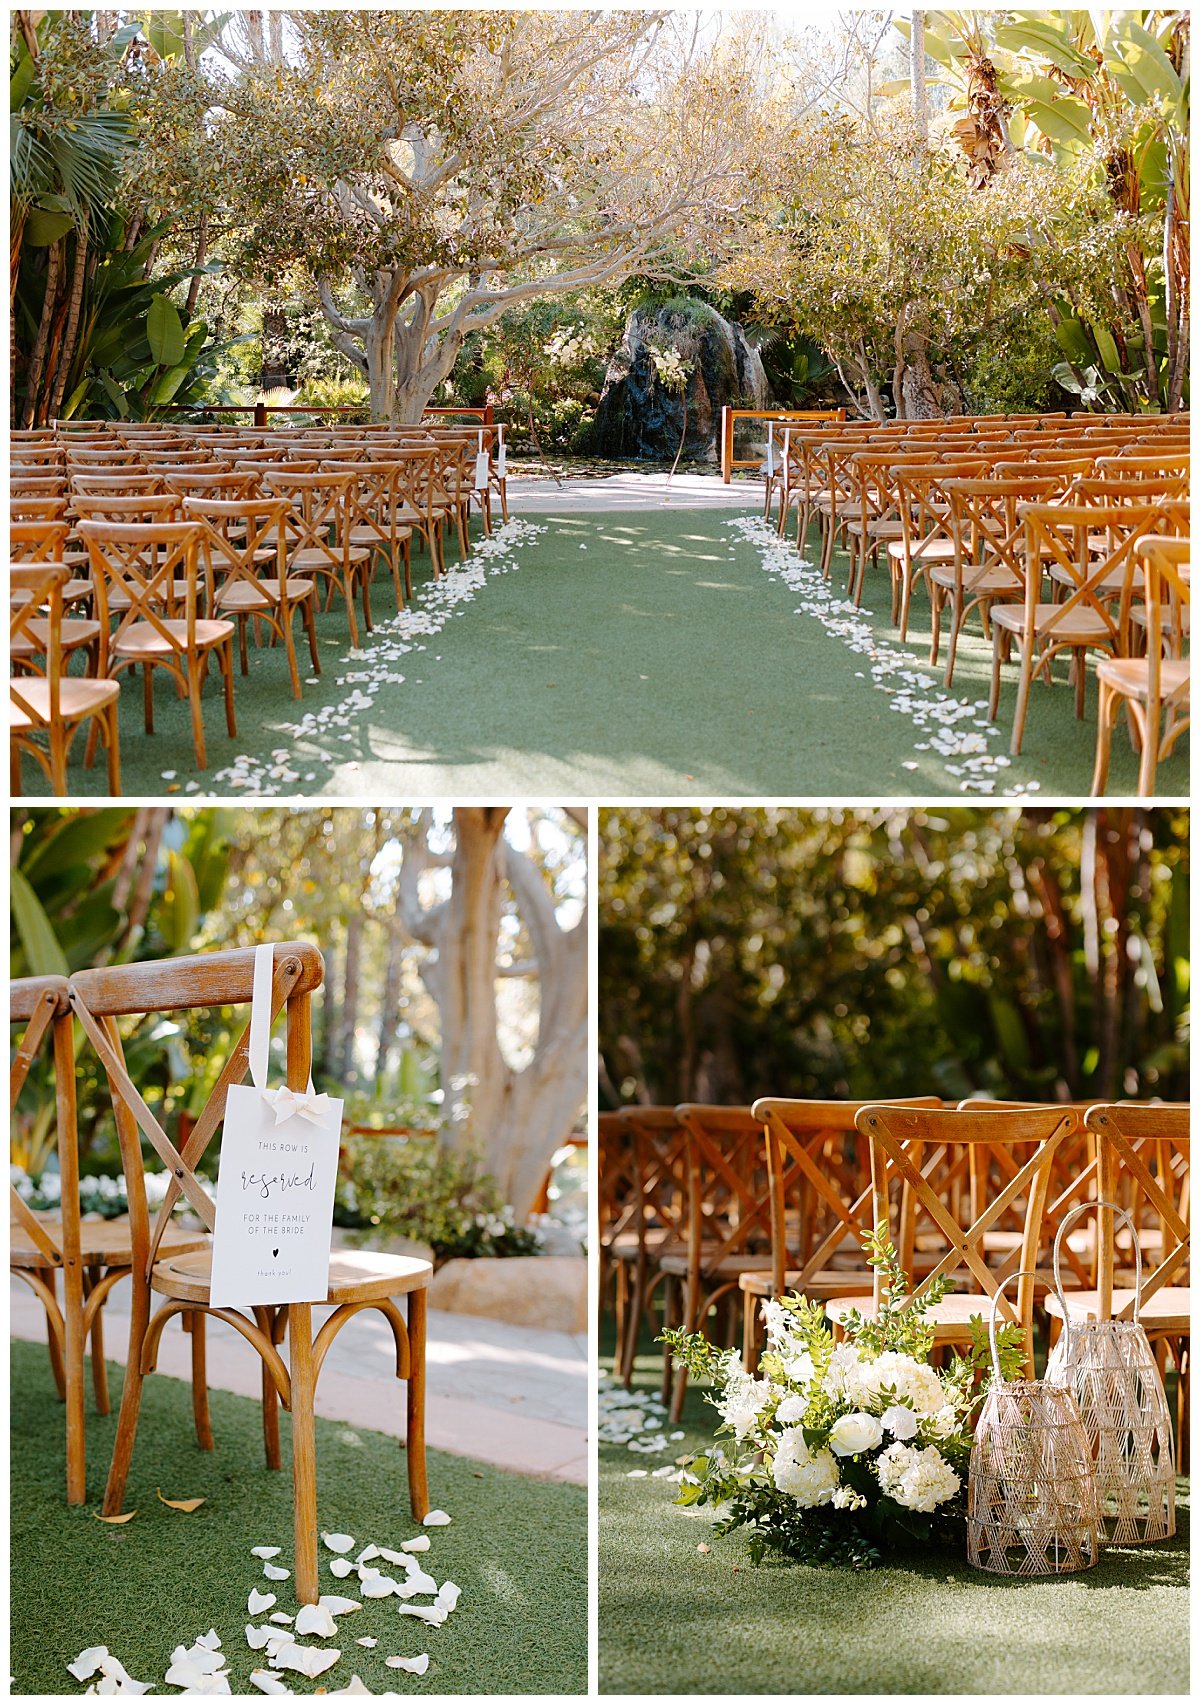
x,y
1031,1494
1109,1368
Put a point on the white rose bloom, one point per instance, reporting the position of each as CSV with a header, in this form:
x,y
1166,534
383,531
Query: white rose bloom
x,y
919,1478
810,1477
854,1433
900,1421
792,1409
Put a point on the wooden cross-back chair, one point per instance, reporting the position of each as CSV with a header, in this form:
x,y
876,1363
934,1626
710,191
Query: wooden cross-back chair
x,y
93,1255
357,1279
1086,550
245,554
926,527
374,501
819,1176
52,704
617,1215
917,1160
319,546
657,1148
147,565
728,1221
1155,689
987,565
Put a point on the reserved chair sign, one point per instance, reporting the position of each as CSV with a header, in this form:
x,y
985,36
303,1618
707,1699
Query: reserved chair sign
x,y
278,1170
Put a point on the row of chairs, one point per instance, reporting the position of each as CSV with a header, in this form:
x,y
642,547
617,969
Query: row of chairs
x,y
171,1263
706,1211
175,544
1040,528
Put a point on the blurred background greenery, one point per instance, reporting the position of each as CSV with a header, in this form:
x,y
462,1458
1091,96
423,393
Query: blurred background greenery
x,y
1031,953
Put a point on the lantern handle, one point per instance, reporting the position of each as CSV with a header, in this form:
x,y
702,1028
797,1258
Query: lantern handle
x,y
1025,1273
1075,1212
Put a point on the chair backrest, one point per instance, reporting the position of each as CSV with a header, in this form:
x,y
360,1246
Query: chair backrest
x,y
144,562
819,1167
920,1164
1145,1167
729,1198
617,1208
37,541
659,1157
1089,550
100,998
43,1005
36,595
1167,589
138,484
236,535
985,518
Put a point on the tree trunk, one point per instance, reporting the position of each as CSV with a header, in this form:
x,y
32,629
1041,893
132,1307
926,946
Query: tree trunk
x,y
347,1071
70,340
513,1120
390,1005
31,415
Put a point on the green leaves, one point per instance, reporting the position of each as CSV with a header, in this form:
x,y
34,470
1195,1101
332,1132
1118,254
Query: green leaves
x,y
164,330
43,956
45,225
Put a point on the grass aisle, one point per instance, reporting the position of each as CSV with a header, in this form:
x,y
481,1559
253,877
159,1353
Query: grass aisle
x,y
675,1620
625,655
517,1547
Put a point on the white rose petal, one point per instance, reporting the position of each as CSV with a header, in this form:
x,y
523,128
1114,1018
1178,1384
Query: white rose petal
x,y
258,1602
378,1586
266,1682
338,1606
421,1543
437,1518
449,1594
265,1551
414,1666
199,1657
315,1619
282,1617
88,1662
305,1660
341,1567
338,1541
212,1640
354,1685
431,1613
274,1573
368,1552
366,1640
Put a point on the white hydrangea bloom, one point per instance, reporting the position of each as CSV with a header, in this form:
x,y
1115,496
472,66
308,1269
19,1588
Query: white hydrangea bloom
x,y
943,1424
810,1477
891,1371
798,1366
900,1421
744,1398
792,1409
919,1478
843,1364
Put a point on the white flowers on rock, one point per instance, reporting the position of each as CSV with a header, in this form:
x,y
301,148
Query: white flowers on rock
x,y
810,1477
918,1477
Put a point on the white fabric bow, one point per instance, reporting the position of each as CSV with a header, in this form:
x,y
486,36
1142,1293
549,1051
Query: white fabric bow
x,y
291,1102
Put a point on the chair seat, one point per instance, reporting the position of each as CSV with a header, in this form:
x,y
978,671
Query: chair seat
x,y
355,1275
980,582
102,1243
931,549
77,699
76,631
119,599
1168,1310
144,639
241,597
829,1282
328,562
1131,675
1080,626
658,1241
712,1267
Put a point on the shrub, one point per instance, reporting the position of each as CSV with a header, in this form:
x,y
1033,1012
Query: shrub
x,y
414,1189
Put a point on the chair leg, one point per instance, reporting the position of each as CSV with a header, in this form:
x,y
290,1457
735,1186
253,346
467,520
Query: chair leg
x,y
668,1311
194,683
131,1398
194,1322
304,1458
620,1312
310,622
99,1366
1106,717
227,671
1023,689
49,1277
73,1349
418,1485
289,643
265,1317
114,751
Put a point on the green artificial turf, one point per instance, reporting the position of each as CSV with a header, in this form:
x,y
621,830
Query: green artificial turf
x,y
516,1546
677,1620
630,655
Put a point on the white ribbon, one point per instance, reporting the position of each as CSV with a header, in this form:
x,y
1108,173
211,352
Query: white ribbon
x,y
287,1103
300,1103
770,449
502,458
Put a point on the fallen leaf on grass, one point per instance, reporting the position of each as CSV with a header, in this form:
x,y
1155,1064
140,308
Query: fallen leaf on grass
x,y
115,1521
187,1505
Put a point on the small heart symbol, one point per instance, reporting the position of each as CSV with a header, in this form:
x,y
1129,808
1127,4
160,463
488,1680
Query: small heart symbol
x,y
274,1252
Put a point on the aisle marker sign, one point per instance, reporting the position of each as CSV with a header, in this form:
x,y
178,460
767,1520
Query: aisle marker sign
x,y
279,1163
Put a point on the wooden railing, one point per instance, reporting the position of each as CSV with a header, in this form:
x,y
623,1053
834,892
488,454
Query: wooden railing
x,y
782,415
261,411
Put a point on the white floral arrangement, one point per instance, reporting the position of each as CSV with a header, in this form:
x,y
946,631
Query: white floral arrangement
x,y
840,1451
